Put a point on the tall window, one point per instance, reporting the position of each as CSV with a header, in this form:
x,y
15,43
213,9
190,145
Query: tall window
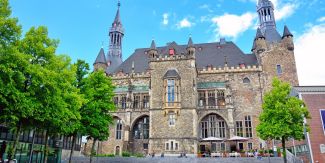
x,y
213,125
123,102
211,98
239,128
221,98
170,90
136,101
201,98
249,146
322,115
248,126
145,101
278,69
116,102
118,134
141,128
222,129
171,119
204,129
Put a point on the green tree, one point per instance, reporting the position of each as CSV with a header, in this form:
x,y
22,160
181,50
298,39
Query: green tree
x,y
55,76
98,89
282,116
76,126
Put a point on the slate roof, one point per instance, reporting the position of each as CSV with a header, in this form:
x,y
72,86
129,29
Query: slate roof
x,y
117,19
259,34
172,74
101,57
206,54
115,61
271,34
286,32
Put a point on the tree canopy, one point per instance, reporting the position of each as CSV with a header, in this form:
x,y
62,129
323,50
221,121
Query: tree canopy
x,y
283,115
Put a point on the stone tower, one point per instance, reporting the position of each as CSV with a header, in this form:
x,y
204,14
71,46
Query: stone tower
x,y
274,52
116,33
173,99
100,62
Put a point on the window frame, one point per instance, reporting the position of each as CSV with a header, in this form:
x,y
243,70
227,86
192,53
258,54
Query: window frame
x,y
118,129
248,126
279,69
322,120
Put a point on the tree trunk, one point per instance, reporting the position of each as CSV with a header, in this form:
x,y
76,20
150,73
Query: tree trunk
x,y
93,151
46,147
74,137
12,152
284,150
30,159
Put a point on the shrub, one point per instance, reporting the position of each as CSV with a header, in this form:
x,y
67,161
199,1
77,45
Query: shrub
x,y
105,155
138,155
126,154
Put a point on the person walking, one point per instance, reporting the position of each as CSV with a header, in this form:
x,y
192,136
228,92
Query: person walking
x,y
3,150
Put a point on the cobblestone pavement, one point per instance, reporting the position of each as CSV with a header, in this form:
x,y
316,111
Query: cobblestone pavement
x,y
173,160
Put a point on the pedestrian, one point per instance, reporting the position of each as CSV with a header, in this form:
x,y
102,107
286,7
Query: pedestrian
x,y
3,150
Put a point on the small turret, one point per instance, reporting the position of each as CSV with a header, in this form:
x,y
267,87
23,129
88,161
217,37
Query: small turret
x,y
259,45
190,47
287,39
100,62
153,52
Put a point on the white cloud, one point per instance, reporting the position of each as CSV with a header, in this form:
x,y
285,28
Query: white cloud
x,y
165,19
321,19
309,53
184,23
230,25
206,7
283,11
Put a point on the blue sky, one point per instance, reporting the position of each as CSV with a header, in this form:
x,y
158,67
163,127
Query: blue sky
x,y
82,25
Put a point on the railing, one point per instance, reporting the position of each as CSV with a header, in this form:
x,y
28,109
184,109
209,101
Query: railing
x,y
293,159
211,106
139,106
172,105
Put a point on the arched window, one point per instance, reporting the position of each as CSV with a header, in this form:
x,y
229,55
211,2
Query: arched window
x,y
213,125
141,128
246,80
118,134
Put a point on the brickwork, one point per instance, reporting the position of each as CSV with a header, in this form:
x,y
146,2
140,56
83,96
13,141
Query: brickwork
x,y
315,102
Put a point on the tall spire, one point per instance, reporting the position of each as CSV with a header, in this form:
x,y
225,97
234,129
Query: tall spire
x,y
265,10
117,16
116,34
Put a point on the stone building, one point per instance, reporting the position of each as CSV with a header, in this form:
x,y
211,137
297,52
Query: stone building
x,y
170,97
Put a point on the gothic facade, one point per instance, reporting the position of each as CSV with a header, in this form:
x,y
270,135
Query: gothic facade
x,y
169,98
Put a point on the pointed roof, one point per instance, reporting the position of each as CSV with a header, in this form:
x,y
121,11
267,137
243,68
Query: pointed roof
x,y
286,32
117,19
101,57
259,34
190,42
153,45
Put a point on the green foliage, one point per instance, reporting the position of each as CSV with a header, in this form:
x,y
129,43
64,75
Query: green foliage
x,y
138,155
283,115
126,154
98,90
10,31
105,155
